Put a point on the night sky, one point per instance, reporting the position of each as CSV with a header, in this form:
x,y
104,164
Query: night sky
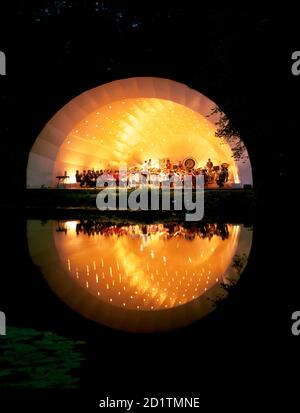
x,y
58,49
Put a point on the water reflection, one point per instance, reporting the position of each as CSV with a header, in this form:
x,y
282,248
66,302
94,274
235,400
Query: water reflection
x,y
139,277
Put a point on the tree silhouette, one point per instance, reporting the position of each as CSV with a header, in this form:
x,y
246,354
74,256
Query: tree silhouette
x,y
227,131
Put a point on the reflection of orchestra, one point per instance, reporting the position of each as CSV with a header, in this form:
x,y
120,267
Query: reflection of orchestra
x,y
166,231
156,176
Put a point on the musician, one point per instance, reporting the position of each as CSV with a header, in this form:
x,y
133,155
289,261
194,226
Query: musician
x,y
162,177
83,178
144,173
145,168
209,164
177,179
168,165
205,176
78,176
116,177
223,177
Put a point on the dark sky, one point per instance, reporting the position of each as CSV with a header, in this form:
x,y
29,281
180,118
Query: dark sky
x,y
57,49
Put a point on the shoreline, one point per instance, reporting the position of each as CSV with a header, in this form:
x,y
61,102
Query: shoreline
x,y
224,205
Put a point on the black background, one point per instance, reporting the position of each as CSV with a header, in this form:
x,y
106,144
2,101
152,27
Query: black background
x,y
238,56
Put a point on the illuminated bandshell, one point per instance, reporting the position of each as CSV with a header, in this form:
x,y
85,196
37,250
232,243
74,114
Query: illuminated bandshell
x,y
128,121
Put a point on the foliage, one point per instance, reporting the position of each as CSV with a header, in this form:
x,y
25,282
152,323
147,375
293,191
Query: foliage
x,y
227,131
38,360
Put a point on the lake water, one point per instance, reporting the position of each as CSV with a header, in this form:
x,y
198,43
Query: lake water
x,y
138,277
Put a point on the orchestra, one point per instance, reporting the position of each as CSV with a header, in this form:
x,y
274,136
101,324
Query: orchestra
x,y
155,175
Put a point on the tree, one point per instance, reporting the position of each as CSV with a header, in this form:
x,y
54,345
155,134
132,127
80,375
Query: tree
x,y
227,131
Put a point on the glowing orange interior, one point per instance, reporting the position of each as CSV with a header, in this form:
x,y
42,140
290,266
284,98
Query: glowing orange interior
x,y
129,131
145,269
